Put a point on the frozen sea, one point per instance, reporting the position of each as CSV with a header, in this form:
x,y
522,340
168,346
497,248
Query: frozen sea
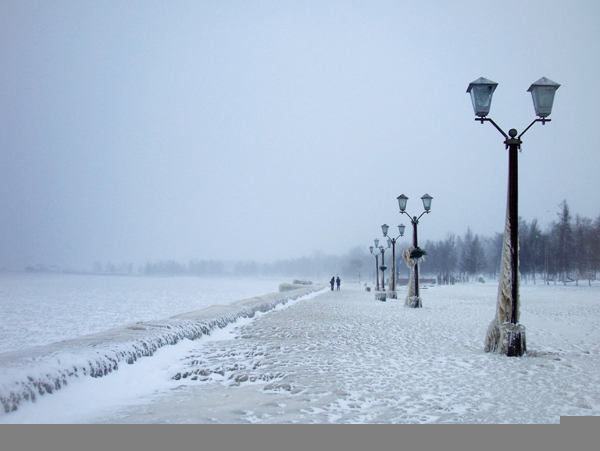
x,y
38,309
343,357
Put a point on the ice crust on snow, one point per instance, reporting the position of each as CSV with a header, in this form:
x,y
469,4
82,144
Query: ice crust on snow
x,y
28,374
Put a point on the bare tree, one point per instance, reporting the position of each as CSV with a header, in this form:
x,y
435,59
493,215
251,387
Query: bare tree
x,y
564,230
583,248
473,257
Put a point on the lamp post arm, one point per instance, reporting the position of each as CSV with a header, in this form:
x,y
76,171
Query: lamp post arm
x,y
404,212
393,240
413,220
482,119
422,215
543,120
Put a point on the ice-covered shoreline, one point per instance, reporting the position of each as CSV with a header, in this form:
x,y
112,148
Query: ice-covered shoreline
x,y
33,372
40,309
344,357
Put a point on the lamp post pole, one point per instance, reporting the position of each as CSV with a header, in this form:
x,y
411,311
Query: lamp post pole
x,y
383,267
506,335
415,221
376,263
377,271
384,229
513,201
416,253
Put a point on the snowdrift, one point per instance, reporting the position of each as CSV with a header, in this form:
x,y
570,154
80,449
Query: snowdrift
x,y
27,374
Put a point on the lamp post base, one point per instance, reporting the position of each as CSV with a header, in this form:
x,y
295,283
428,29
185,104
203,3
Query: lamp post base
x,y
508,339
392,294
514,338
413,302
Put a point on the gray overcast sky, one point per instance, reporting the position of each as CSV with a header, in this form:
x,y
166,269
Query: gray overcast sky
x,y
146,130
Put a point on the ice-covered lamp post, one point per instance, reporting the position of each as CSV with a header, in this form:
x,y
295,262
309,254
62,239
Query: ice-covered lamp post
x,y
383,267
385,228
376,251
505,334
376,254
412,255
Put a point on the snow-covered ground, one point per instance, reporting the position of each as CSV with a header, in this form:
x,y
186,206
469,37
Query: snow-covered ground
x,y
38,309
343,357
28,374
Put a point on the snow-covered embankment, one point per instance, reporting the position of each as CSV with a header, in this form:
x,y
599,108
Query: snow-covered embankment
x,y
27,374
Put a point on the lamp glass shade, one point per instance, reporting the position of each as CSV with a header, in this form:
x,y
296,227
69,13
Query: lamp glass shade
x,y
384,229
481,91
389,242
542,93
371,249
376,242
402,199
401,228
426,201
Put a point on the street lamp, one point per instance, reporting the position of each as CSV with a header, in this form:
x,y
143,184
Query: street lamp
x,y
376,254
506,335
385,228
415,252
376,251
383,267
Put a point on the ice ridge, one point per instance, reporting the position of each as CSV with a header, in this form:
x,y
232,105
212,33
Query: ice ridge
x,y
27,374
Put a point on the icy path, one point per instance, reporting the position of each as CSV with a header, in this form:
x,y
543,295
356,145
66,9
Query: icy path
x,y
343,357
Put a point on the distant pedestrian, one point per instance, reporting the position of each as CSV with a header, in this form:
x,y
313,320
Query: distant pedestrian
x,y
332,282
338,281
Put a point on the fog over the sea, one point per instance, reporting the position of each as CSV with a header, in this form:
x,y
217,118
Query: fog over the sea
x,y
135,131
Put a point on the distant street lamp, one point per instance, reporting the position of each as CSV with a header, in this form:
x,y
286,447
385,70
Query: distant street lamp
x,y
416,252
376,254
383,267
385,228
506,335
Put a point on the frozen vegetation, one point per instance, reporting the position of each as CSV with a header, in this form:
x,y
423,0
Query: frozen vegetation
x,y
343,357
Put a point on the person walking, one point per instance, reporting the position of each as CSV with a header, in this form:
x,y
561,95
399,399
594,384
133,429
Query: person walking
x,y
338,281
332,282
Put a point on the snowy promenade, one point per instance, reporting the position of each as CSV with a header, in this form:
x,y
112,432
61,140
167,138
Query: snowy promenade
x,y
343,357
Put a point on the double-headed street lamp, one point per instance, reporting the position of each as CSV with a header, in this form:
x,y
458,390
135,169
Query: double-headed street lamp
x,y
416,253
385,228
383,267
376,254
380,250
505,334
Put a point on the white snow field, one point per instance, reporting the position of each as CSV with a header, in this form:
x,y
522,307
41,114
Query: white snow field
x,y
38,309
30,373
343,357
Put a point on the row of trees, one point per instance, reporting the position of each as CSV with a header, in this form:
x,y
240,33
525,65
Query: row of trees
x,y
163,268
567,250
